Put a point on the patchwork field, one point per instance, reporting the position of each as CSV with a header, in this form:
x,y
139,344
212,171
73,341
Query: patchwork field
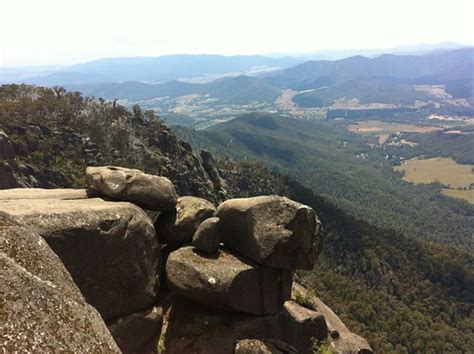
x,y
460,194
455,177
377,126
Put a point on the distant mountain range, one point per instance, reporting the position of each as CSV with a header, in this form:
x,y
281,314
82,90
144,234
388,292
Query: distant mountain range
x,y
384,79
152,69
181,66
430,69
238,90
416,49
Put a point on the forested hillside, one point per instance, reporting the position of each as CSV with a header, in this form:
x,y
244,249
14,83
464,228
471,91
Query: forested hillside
x,y
345,170
402,294
452,67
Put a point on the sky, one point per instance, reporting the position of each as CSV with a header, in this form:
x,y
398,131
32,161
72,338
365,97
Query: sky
x,y
40,32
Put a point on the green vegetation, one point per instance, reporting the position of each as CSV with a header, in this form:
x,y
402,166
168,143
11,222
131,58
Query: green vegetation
x,y
402,294
364,91
452,68
344,169
321,347
460,147
236,90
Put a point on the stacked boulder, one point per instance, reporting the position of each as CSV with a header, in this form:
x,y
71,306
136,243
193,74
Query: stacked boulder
x,y
196,278
264,239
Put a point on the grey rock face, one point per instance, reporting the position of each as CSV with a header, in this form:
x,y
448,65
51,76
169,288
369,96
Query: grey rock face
x,y
178,227
225,282
207,237
139,332
342,340
110,248
41,309
271,230
124,184
6,147
196,329
307,323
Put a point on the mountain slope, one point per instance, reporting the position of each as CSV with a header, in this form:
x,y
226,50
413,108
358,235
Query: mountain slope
x,y
437,68
238,90
364,91
341,167
404,295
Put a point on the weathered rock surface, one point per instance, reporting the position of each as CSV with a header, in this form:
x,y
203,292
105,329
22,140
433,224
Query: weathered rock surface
x,y
341,339
177,227
207,237
41,309
139,332
308,324
189,328
6,147
257,346
226,282
271,230
124,184
40,193
110,248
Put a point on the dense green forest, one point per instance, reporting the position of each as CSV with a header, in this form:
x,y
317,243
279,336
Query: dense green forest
x,y
364,91
235,90
341,167
458,146
402,294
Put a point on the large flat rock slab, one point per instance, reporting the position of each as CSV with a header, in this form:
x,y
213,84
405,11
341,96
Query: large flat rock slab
x,y
125,184
41,309
226,282
110,248
41,193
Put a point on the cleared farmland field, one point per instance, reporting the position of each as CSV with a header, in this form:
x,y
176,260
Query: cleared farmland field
x,y
456,178
438,169
461,194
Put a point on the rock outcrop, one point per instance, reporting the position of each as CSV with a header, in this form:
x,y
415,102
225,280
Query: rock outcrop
x,y
192,329
110,248
271,230
341,339
177,227
237,295
226,282
6,147
125,184
41,309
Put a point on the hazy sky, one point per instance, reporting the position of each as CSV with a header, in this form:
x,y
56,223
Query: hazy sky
x,y
40,32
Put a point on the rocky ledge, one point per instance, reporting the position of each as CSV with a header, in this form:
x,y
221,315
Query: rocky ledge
x,y
129,266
